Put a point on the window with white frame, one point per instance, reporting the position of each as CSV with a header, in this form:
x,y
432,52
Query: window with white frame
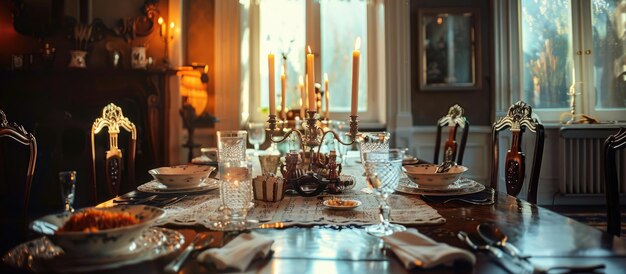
x,y
572,48
330,28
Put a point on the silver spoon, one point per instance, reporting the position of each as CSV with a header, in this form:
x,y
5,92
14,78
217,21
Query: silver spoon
x,y
494,236
444,166
201,241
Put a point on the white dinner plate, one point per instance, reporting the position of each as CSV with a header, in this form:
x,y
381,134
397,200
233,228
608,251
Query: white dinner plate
x,y
40,255
158,188
460,187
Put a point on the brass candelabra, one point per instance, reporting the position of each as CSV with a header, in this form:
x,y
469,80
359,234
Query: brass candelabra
x,y
307,179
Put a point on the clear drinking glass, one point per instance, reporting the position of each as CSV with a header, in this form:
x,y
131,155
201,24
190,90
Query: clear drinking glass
x,y
383,170
235,189
256,135
269,164
68,188
342,129
231,145
373,141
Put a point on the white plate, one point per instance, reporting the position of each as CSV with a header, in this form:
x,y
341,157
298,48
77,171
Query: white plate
x,y
327,203
40,255
158,188
460,187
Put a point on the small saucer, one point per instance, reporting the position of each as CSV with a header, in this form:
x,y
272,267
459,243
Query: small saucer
x,y
341,204
460,187
155,187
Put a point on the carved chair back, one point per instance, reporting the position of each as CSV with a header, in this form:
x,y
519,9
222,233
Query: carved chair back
x,y
113,119
517,121
612,145
453,121
15,187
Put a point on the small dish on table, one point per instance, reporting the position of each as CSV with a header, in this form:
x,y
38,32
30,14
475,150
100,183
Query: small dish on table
x,y
341,204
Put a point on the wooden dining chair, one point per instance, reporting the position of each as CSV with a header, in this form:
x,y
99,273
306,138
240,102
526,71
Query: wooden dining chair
x,y
17,145
114,159
518,120
454,120
612,145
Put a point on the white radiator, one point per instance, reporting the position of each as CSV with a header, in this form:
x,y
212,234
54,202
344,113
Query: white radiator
x,y
581,152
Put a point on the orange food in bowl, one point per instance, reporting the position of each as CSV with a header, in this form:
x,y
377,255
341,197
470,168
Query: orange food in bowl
x,y
93,220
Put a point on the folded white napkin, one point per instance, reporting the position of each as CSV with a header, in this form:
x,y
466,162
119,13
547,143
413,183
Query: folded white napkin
x,y
417,250
238,253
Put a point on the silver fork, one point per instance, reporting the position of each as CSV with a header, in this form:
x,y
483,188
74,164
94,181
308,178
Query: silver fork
x,y
201,241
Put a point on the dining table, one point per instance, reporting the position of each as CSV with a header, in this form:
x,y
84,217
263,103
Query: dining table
x,y
547,238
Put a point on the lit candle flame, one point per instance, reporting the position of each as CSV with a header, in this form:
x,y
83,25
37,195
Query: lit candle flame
x,y
309,49
357,44
282,71
325,76
160,21
172,25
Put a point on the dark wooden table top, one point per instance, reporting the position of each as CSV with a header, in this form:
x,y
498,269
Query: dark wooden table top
x,y
550,238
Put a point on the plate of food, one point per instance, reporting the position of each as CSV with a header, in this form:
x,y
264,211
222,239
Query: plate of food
x,y
341,204
98,232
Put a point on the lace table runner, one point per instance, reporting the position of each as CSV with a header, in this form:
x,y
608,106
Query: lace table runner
x,y
296,210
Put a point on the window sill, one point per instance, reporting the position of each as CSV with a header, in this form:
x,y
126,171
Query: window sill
x,y
603,125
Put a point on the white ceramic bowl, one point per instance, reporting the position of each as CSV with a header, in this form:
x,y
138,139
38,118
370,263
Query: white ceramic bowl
x,y
425,175
183,176
101,243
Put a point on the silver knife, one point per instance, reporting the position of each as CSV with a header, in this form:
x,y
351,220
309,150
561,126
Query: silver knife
x,y
510,264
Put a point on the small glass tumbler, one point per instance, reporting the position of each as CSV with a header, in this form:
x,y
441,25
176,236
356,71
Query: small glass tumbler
x,y
269,164
231,145
68,188
341,128
256,135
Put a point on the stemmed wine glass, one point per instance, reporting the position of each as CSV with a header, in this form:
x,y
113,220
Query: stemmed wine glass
x,y
383,170
256,135
68,188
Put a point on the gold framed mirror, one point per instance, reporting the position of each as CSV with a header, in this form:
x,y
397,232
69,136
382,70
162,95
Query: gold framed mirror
x,y
449,50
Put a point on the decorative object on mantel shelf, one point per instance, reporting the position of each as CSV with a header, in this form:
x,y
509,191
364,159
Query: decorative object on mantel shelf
x,y
167,33
82,37
138,58
48,52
